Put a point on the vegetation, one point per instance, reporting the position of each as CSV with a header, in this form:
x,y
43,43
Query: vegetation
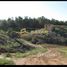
x,y
13,34
28,23
6,62
12,44
30,53
36,31
63,51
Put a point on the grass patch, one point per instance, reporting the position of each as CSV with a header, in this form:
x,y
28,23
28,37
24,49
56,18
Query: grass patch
x,y
51,45
4,61
63,50
32,52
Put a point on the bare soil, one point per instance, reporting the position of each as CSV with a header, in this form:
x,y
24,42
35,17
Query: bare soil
x,y
51,57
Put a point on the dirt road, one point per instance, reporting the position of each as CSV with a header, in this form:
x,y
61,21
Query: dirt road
x,y
51,57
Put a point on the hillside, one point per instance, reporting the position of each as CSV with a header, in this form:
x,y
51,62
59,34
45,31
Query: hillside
x,y
21,43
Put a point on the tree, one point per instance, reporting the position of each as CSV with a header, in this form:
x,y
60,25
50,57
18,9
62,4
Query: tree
x,y
19,23
4,25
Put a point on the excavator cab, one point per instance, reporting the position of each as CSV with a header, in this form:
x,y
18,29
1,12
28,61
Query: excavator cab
x,y
23,31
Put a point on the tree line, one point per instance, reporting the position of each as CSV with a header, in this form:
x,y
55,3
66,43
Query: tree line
x,y
29,23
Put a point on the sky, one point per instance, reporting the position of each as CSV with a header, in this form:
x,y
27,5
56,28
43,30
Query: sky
x,y
48,9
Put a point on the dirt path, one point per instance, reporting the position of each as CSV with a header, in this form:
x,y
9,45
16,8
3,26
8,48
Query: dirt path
x,y
51,57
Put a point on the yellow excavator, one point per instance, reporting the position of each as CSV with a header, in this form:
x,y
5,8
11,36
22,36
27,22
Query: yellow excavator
x,y
23,31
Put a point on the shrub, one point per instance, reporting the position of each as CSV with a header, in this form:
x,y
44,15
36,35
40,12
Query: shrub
x,y
13,34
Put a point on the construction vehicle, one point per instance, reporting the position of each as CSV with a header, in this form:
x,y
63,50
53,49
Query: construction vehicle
x,y
22,31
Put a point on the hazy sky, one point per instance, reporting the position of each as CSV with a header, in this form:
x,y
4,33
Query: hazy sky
x,y
48,9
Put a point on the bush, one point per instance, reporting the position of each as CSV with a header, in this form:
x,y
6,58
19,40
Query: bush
x,y
13,34
51,38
